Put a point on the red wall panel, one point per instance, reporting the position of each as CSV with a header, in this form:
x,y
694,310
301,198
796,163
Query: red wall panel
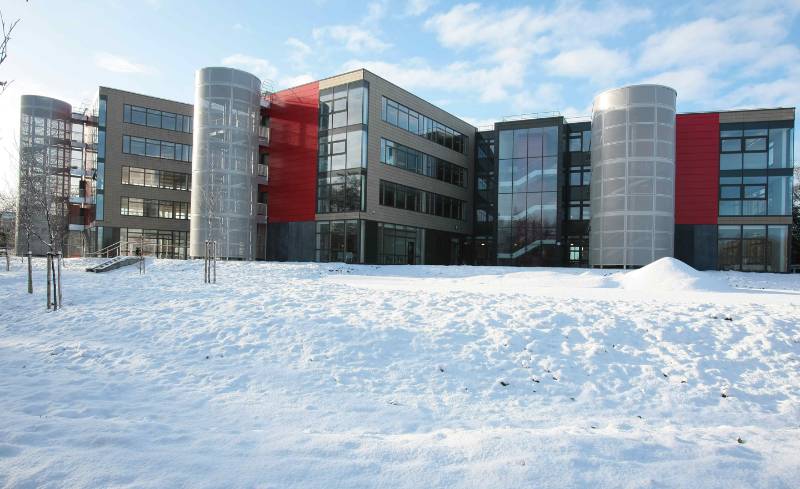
x,y
294,127
696,168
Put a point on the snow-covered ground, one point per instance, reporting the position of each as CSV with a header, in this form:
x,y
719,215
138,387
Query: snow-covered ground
x,y
331,375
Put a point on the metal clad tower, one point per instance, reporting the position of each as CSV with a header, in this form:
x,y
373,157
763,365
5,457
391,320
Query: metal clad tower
x,y
633,176
226,113
44,180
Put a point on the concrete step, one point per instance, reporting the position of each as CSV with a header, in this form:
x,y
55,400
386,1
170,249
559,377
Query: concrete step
x,y
114,263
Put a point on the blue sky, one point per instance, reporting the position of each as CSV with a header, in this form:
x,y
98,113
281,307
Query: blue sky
x,y
481,61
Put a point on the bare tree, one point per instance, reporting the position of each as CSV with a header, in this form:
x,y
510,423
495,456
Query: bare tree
x,y
8,213
43,197
6,36
8,218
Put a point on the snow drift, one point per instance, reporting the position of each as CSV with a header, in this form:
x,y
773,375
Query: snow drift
x,y
670,274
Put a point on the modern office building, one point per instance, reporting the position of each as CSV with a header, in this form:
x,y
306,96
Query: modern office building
x,y
353,168
370,172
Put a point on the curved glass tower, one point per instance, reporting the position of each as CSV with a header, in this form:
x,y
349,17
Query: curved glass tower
x,y
633,176
226,112
44,181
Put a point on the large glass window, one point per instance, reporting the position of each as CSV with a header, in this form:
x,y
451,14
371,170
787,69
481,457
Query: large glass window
x,y
144,116
396,154
134,206
152,242
755,195
399,245
341,175
411,199
410,120
146,177
527,199
338,241
343,105
781,148
342,157
753,247
155,148
755,169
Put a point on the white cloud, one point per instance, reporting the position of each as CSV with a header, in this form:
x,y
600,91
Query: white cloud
x,y
505,43
375,12
593,62
714,43
545,97
783,92
354,38
692,84
119,64
298,51
471,25
416,73
293,81
418,7
260,67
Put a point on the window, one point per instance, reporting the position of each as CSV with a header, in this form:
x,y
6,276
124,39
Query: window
x,y
574,141
144,116
409,120
399,245
753,247
338,241
132,206
409,159
755,173
343,105
755,195
155,148
142,177
341,172
527,195
159,243
408,198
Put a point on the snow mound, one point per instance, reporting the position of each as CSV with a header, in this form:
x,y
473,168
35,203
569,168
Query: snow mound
x,y
671,274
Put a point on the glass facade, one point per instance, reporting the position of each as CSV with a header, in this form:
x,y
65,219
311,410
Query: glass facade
x,y
165,209
146,177
410,120
756,169
409,159
338,241
342,156
399,245
152,242
344,105
527,202
155,148
577,177
485,192
412,199
160,119
753,247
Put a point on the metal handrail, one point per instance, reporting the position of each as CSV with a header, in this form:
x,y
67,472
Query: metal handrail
x,y
98,253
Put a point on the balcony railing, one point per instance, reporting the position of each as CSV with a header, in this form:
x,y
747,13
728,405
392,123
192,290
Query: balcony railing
x,y
262,170
261,209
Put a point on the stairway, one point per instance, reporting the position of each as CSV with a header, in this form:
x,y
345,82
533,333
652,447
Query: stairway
x,y
114,263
